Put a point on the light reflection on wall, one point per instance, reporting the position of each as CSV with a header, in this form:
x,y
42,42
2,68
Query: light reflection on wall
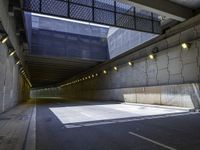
x,y
179,100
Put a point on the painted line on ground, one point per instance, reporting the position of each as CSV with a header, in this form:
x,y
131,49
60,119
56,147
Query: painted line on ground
x,y
152,141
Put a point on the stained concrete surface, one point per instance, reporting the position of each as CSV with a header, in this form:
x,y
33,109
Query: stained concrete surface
x,y
15,126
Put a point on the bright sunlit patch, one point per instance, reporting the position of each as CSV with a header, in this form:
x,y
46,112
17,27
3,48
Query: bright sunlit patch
x,y
89,115
70,20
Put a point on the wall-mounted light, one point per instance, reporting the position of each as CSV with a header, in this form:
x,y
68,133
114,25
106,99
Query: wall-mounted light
x,y
18,62
4,38
22,71
130,63
185,45
152,56
104,72
11,53
115,68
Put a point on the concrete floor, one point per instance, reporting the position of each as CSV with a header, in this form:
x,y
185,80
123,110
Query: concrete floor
x,y
98,126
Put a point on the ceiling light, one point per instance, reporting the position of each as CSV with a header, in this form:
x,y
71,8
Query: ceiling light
x,y
89,77
185,45
115,68
92,76
4,39
96,74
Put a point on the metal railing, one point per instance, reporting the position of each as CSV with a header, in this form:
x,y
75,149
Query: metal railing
x,y
106,12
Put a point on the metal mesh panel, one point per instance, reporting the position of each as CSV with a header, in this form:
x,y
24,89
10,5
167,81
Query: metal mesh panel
x,y
33,5
105,17
125,21
104,4
59,8
108,12
143,24
80,12
124,8
82,2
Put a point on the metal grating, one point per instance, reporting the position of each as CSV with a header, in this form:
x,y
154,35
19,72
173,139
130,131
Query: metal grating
x,y
107,12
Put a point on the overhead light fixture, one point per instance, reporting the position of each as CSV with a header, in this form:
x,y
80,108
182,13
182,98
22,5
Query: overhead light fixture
x,y
96,74
115,68
92,76
104,72
4,38
89,77
185,45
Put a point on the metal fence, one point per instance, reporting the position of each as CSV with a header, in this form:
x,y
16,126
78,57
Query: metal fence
x,y
106,12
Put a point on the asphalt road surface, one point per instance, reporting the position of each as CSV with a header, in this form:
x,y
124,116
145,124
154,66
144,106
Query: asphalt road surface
x,y
114,126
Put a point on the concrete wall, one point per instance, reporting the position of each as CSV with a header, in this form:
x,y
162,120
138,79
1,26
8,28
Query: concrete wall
x,y
122,40
13,88
171,79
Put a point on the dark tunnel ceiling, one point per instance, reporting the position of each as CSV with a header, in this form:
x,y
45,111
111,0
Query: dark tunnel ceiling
x,y
49,71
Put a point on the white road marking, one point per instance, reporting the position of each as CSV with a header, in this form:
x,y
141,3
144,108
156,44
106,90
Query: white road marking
x,y
152,141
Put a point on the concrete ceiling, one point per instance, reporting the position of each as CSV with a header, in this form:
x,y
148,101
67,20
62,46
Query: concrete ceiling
x,y
193,4
49,71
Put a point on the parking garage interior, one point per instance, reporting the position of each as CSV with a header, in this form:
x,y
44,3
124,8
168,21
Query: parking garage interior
x,y
99,75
